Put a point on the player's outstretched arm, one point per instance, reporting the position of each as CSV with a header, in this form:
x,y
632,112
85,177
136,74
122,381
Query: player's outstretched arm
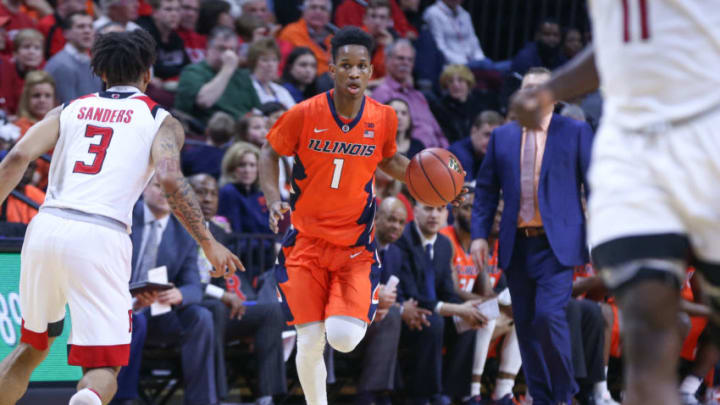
x,y
181,197
395,166
574,79
269,171
39,139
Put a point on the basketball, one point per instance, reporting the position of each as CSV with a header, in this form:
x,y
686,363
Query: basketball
x,y
434,177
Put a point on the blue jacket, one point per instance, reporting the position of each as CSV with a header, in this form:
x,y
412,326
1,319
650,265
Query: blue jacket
x,y
178,251
245,209
416,266
562,174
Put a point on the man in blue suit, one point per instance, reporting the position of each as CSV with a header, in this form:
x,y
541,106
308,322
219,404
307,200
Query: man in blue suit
x,y
541,173
159,240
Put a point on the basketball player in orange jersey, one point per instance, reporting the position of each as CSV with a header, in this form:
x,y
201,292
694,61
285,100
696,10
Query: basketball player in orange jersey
x,y
328,270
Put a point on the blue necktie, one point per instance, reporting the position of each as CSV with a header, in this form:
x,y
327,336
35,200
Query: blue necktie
x,y
430,273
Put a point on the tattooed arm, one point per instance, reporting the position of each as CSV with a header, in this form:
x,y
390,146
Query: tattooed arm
x,y
183,202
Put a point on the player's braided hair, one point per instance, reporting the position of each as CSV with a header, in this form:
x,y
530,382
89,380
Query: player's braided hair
x,y
351,35
122,57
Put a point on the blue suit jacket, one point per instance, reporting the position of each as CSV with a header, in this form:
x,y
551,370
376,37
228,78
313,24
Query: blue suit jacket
x,y
178,251
415,265
562,174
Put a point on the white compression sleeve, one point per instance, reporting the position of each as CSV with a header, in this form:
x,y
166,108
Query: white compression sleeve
x,y
344,332
310,362
510,360
483,336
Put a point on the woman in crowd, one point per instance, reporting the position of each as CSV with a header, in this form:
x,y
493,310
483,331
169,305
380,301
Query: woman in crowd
x,y
300,73
37,98
241,201
28,55
406,145
572,43
461,103
240,198
263,59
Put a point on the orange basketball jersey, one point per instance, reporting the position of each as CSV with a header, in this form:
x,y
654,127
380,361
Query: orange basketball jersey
x,y
333,196
463,266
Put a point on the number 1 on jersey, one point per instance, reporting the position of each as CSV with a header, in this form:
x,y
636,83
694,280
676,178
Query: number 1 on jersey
x,y
337,172
98,149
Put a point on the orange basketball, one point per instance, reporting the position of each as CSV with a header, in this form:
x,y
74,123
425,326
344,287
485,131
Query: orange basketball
x,y
435,177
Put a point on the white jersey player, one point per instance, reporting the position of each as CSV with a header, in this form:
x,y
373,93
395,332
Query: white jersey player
x,y
654,196
77,250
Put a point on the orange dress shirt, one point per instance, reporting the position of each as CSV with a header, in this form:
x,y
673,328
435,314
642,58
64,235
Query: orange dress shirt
x,y
540,140
298,35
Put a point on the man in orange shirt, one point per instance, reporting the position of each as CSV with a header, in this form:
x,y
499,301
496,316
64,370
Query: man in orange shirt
x,y
328,271
311,31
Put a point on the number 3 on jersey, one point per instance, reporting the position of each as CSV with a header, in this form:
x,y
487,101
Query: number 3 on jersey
x,y
337,173
98,149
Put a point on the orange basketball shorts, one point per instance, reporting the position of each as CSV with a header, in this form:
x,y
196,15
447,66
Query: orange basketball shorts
x,y
317,279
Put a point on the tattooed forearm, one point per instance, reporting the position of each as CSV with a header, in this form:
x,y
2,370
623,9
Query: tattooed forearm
x,y
182,199
186,208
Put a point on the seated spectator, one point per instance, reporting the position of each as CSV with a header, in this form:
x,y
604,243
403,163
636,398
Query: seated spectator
x,y
16,19
380,345
28,51
572,43
351,12
23,202
263,59
207,158
171,56
158,239
406,144
470,150
216,83
311,31
490,285
195,43
38,97
70,67
123,12
241,200
252,128
52,25
300,74
376,22
252,28
399,84
426,277
544,51
454,34
272,111
231,318
461,103
213,14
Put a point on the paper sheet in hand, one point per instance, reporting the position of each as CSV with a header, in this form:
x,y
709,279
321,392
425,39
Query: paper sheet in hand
x,y
490,309
158,275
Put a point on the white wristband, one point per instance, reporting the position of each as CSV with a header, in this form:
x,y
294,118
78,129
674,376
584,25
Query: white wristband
x,y
438,306
214,291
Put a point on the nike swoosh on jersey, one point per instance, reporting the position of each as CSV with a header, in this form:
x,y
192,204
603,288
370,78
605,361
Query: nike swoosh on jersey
x,y
354,255
319,130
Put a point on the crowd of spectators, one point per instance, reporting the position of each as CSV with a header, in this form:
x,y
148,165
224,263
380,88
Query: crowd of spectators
x,y
228,69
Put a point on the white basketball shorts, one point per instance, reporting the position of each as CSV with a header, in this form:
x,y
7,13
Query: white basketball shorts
x,y
656,195
88,266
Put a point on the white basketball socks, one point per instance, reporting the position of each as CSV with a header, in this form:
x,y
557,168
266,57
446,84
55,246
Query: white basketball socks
x,y
85,396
